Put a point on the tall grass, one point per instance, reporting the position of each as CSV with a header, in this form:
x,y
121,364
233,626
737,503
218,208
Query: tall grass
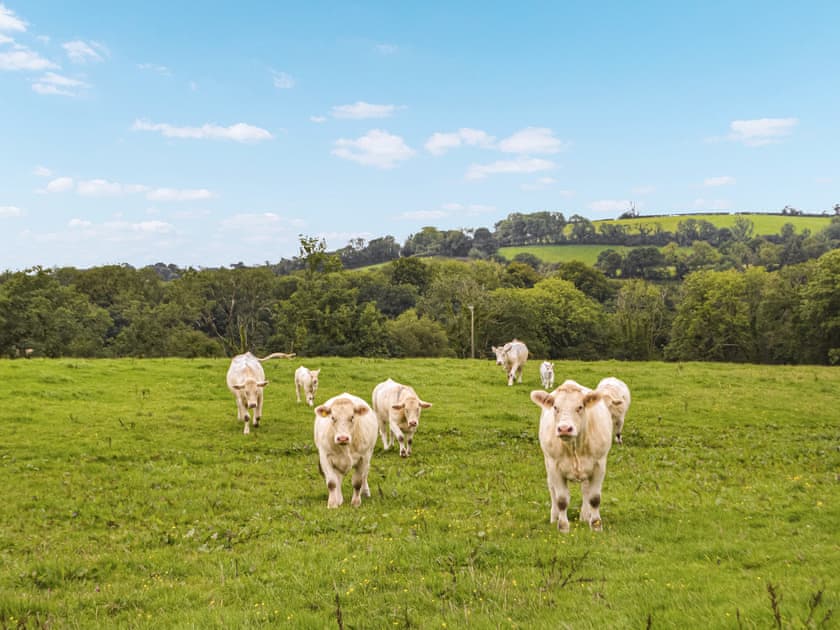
x,y
132,499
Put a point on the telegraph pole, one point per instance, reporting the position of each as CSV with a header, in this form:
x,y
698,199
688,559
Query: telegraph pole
x,y
472,330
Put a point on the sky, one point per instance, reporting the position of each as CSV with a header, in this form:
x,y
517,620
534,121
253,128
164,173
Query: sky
x,y
207,134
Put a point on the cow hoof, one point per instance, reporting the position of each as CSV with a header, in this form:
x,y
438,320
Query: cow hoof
x,y
596,525
563,527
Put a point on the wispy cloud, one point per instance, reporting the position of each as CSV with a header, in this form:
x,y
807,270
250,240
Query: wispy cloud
x,y
24,59
10,211
105,188
533,140
758,132
42,171
723,180
57,84
362,110
155,68
386,49
60,184
79,51
318,119
9,21
175,194
239,132
376,148
519,165
439,143
283,80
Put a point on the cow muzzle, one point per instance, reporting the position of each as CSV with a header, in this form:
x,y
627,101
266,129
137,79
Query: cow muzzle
x,y
342,439
252,405
412,424
566,431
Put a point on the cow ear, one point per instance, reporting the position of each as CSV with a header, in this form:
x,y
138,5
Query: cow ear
x,y
425,404
542,398
238,387
322,410
316,372
263,384
616,402
398,407
361,410
591,398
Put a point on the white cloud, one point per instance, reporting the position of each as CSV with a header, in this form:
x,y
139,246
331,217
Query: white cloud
x,y
318,119
4,39
386,49
761,131
52,83
439,143
723,180
283,81
24,59
361,110
9,21
79,223
173,194
156,68
541,183
643,190
376,148
42,171
104,188
82,52
610,205
709,204
239,132
519,165
533,140
156,227
60,184
10,211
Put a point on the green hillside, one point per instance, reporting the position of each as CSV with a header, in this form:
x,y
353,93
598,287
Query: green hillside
x,y
562,253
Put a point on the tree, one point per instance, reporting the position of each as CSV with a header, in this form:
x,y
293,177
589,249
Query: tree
x,y
414,336
587,279
643,262
640,321
609,261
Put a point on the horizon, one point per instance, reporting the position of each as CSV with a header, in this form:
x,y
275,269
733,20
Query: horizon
x,y
140,134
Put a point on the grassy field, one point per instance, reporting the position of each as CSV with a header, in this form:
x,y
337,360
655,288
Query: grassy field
x,y
132,500
563,253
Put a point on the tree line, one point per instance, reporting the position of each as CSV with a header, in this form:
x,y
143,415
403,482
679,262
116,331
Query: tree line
x,y
420,307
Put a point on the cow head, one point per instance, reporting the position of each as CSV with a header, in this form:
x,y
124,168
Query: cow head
x,y
411,407
249,392
501,352
568,407
342,412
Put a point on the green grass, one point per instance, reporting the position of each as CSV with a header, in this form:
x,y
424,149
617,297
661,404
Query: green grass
x,y
131,500
763,224
563,253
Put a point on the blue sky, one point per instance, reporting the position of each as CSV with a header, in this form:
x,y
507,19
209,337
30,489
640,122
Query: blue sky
x,y
206,133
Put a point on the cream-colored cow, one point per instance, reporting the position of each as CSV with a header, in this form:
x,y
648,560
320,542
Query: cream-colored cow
x,y
512,356
345,434
398,410
246,380
306,380
617,395
575,436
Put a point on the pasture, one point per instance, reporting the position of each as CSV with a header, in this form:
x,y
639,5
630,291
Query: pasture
x,y
132,499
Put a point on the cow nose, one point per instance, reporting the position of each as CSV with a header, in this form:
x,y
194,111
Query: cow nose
x,y
342,439
252,405
412,423
565,429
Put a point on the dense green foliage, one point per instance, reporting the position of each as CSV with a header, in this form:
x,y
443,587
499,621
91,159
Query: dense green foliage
x,y
746,299
132,500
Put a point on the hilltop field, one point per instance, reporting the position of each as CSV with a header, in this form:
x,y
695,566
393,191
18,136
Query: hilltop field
x,y
133,500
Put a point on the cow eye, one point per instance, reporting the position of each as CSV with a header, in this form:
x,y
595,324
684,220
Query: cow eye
x,y
580,408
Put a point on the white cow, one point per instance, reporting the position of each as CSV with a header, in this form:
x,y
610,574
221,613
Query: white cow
x,y
547,375
617,395
512,356
306,380
398,410
575,436
246,380
345,434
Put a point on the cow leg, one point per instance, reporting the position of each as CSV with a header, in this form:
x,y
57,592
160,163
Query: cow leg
x,y
511,376
395,429
385,433
360,484
241,410
519,374
559,492
247,422
619,425
297,390
333,483
590,511
258,410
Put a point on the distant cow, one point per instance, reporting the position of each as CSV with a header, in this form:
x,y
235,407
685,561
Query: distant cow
x,y
398,410
306,380
512,356
575,436
617,396
246,380
547,375
345,434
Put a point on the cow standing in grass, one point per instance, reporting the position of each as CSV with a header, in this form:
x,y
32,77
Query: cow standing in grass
x,y
547,375
345,434
246,380
512,356
575,436
306,380
617,396
398,410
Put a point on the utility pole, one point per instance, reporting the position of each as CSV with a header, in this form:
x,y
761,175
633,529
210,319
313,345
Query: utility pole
x,y
472,330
